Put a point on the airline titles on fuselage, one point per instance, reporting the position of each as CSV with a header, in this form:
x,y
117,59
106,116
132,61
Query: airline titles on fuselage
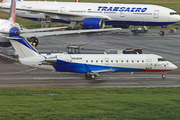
x,y
121,9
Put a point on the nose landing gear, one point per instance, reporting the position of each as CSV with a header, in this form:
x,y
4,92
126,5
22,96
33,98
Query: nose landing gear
x,y
163,75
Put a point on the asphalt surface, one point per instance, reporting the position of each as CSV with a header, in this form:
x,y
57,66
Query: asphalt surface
x,y
15,75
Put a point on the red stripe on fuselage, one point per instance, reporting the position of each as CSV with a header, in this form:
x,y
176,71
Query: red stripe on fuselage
x,y
155,70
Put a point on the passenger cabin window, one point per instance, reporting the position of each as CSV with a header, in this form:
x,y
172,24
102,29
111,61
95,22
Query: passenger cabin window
x,y
86,61
161,59
122,61
92,61
137,60
112,61
117,61
173,13
127,61
102,61
97,61
142,61
132,61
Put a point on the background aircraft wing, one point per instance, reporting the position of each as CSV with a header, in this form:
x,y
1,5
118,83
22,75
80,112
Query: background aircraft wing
x,y
65,15
41,34
41,29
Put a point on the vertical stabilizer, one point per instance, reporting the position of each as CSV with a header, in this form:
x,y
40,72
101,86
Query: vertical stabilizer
x,y
4,1
12,14
23,47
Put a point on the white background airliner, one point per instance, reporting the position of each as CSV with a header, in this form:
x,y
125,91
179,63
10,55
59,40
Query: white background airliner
x,y
89,64
11,28
96,15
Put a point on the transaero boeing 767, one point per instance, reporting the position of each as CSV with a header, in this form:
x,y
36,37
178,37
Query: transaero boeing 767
x,y
95,15
10,28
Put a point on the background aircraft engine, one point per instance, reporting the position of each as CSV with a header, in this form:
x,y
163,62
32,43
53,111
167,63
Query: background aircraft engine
x,y
93,23
33,41
14,31
120,26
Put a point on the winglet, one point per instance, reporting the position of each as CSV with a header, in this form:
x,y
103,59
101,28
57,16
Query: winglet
x,y
12,14
23,47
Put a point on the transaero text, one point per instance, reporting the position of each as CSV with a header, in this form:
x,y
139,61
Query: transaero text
x,y
121,9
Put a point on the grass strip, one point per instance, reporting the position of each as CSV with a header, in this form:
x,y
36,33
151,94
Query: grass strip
x,y
90,103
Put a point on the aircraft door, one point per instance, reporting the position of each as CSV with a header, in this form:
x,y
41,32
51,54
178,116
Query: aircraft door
x,y
106,61
62,10
156,14
23,12
148,63
122,14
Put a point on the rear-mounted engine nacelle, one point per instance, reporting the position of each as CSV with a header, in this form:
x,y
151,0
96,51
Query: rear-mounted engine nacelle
x,y
93,23
14,31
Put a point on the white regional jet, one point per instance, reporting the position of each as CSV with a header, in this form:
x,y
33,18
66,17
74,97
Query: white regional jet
x,y
95,15
89,64
10,28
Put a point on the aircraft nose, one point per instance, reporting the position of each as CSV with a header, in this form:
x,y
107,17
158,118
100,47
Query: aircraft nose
x,y
172,66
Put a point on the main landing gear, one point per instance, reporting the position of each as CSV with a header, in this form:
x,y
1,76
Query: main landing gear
x,y
163,75
91,76
161,32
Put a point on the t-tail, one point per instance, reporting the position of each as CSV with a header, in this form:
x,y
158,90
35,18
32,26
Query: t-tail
x,y
23,47
12,14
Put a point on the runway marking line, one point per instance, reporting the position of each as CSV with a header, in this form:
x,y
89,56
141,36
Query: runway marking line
x,y
18,72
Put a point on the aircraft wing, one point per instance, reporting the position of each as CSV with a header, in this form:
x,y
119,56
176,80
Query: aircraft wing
x,y
8,57
41,29
41,34
101,71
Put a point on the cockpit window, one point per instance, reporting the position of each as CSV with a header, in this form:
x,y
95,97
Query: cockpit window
x,y
173,13
161,59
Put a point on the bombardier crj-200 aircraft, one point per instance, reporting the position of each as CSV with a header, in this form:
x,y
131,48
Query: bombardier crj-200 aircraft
x,y
89,64
11,28
95,15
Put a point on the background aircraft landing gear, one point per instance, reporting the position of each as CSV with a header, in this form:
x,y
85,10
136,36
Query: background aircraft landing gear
x,y
161,32
163,75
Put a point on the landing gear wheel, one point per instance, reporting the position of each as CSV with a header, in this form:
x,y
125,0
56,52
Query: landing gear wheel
x,y
163,75
90,77
161,32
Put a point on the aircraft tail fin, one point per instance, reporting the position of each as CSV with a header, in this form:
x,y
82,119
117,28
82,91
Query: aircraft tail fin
x,y
4,1
12,14
23,47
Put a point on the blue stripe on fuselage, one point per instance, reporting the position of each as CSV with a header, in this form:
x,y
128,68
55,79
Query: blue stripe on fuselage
x,y
87,68
111,22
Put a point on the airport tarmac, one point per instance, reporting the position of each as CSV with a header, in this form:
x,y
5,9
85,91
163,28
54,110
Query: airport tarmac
x,y
15,75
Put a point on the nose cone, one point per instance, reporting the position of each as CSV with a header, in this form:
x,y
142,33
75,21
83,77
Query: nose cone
x,y
179,18
172,66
